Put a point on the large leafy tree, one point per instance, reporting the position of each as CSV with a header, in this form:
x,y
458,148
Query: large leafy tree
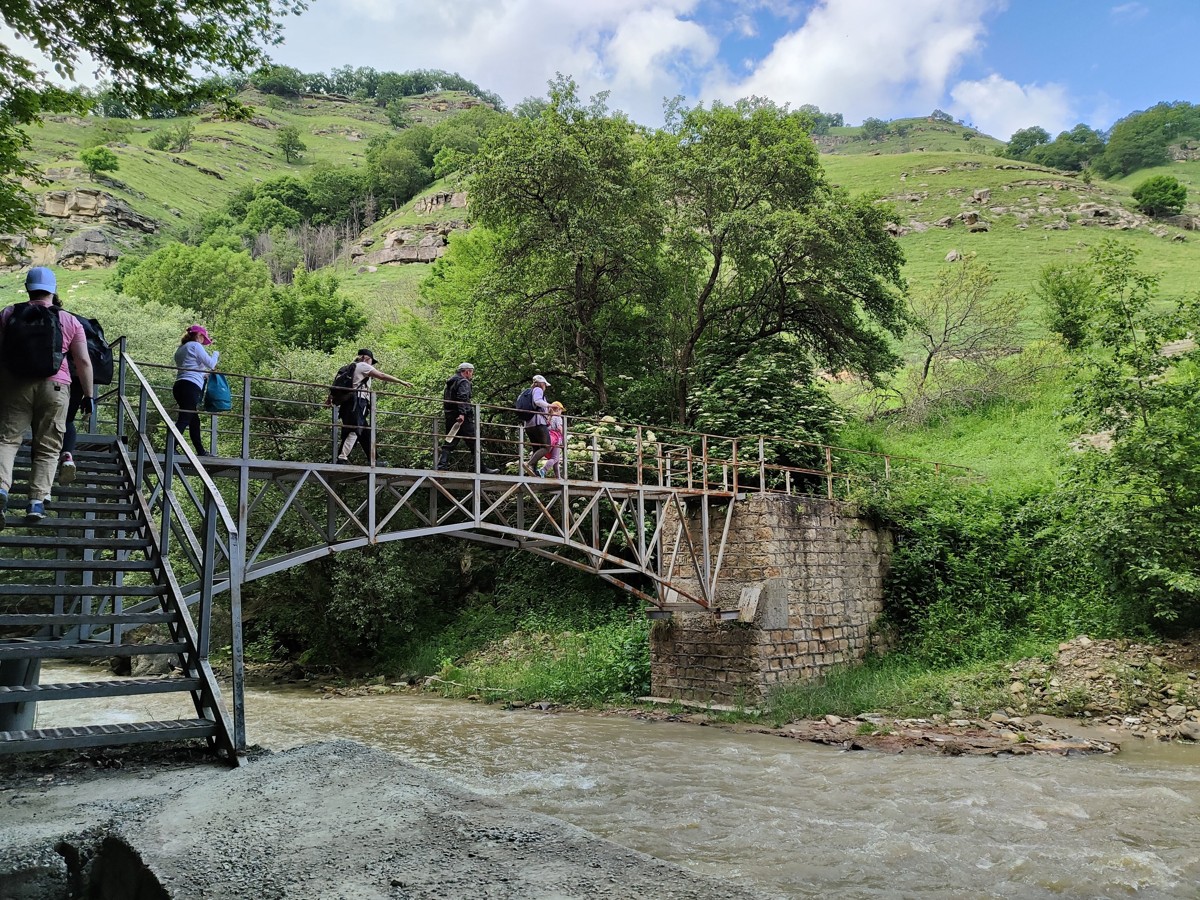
x,y
574,210
758,244
152,54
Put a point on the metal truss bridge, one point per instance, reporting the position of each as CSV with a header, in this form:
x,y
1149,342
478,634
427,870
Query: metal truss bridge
x,y
645,508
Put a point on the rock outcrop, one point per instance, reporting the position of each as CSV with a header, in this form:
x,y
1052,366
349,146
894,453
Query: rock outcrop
x,y
89,249
87,205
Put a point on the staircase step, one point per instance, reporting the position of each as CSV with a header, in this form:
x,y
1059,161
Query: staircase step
x,y
83,690
79,565
13,620
116,478
104,735
107,508
52,541
78,489
82,590
62,650
52,521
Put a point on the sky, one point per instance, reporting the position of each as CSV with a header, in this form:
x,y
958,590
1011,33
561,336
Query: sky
x,y
997,64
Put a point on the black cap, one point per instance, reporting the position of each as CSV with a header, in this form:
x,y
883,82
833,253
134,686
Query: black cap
x,y
366,352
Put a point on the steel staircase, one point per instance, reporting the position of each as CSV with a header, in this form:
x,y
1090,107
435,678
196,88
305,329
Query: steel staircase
x,y
80,585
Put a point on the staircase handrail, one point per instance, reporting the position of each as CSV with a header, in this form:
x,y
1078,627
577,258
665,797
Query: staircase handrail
x,y
180,443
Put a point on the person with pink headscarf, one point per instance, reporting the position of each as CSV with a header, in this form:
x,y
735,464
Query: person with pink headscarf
x,y
193,363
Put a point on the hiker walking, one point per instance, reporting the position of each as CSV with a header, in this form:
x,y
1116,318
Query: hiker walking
x,y
351,392
193,364
460,418
35,384
536,418
557,428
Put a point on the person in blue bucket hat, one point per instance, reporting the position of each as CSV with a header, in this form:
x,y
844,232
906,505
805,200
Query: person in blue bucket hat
x,y
36,338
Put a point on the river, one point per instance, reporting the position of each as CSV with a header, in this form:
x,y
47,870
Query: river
x,y
783,818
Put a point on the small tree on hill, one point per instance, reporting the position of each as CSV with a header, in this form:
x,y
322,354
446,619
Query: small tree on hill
x,y
288,140
873,129
1162,195
100,159
1024,140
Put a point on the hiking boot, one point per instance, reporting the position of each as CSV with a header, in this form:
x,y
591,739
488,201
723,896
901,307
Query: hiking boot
x,y
66,469
37,512
488,470
342,461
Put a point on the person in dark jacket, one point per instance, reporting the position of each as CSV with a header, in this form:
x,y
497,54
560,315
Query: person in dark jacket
x,y
460,413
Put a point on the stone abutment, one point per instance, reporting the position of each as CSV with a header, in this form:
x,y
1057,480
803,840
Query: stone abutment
x,y
806,579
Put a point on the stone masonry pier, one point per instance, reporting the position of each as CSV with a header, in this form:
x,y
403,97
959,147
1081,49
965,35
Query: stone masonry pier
x,y
806,579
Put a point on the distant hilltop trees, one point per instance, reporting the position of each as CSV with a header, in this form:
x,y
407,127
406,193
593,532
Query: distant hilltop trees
x,y
1140,140
361,83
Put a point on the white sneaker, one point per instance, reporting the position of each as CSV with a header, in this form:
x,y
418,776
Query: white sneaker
x,y
66,469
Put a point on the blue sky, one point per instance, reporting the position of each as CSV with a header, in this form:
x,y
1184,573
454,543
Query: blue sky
x,y
1000,64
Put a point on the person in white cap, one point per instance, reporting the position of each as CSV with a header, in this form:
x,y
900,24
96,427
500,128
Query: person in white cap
x,y
460,417
35,385
537,429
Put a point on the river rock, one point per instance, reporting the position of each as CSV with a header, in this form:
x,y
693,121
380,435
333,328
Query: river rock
x,y
1189,731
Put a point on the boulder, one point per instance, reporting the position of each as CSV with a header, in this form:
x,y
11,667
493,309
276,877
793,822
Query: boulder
x,y
953,256
978,227
981,195
944,222
14,252
89,249
969,218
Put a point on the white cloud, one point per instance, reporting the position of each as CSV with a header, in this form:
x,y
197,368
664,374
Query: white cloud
x,y
640,50
1129,12
999,107
867,57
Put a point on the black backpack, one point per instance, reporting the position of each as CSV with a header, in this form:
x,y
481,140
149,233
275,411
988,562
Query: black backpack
x,y
33,341
342,388
524,406
99,351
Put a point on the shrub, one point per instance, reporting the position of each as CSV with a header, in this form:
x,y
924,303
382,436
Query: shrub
x,y
1162,195
100,159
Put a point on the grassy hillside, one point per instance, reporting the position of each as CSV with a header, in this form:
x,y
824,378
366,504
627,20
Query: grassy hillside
x,y
1021,194
909,136
177,188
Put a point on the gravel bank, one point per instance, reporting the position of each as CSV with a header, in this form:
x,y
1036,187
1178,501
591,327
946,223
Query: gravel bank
x,y
329,820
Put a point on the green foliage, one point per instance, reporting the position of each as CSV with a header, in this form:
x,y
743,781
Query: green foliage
x,y
1140,140
174,47
1067,294
975,572
1140,500
312,313
290,144
177,138
1072,150
1160,195
281,80
397,114
100,159
214,281
768,390
265,213
873,129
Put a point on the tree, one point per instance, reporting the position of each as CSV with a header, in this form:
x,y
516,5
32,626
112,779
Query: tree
x,y
758,244
1139,502
964,333
100,159
211,280
1071,150
873,129
289,142
1067,295
1024,140
153,54
313,313
283,81
577,224
265,213
1161,195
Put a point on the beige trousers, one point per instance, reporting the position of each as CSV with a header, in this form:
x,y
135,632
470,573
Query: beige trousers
x,y
41,405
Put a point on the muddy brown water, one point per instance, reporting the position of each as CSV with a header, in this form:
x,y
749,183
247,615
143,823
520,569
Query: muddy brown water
x,y
782,818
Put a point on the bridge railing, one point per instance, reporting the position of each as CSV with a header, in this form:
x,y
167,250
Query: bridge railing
x,y
286,419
